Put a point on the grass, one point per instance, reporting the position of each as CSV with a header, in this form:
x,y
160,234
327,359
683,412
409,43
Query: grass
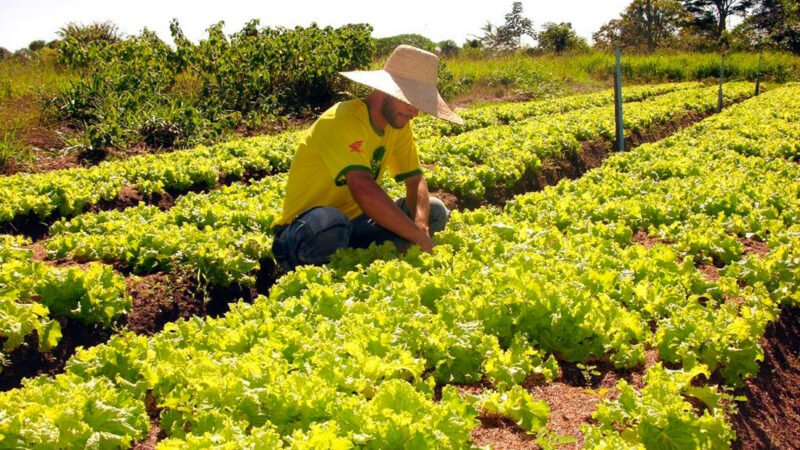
x,y
13,152
38,75
547,75
23,85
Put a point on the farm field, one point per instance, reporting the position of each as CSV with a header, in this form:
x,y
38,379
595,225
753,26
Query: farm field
x,y
625,308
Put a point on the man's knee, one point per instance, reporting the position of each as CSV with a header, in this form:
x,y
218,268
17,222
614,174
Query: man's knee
x,y
439,215
312,238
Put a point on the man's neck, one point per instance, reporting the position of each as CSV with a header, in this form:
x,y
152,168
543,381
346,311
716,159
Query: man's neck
x,y
374,102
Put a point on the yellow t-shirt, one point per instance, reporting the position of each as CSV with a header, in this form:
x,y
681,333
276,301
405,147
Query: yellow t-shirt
x,y
341,140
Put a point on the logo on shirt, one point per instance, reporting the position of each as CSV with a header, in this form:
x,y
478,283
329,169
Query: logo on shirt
x,y
375,163
356,146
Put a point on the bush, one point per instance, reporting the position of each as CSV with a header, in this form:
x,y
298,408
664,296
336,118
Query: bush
x,y
126,91
93,33
36,45
273,71
385,46
122,83
448,49
560,38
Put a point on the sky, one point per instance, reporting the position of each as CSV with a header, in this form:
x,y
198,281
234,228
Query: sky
x,y
23,21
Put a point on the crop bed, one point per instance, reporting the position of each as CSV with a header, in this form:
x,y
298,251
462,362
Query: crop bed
x,y
641,290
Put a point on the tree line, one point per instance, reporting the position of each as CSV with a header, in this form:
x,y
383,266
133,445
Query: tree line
x,y
650,25
703,25
643,26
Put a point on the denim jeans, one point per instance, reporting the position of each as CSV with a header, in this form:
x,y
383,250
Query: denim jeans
x,y
317,233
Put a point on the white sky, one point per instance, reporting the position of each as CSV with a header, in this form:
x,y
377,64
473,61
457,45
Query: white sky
x,y
22,21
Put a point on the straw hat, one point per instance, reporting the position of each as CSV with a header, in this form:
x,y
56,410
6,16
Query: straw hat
x,y
409,75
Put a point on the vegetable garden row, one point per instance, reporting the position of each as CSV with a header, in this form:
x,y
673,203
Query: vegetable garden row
x,y
364,352
225,235
70,192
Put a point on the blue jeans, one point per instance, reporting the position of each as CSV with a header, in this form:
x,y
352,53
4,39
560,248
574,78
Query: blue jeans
x,y
317,233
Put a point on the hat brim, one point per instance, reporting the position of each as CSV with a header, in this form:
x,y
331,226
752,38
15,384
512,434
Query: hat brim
x,y
423,96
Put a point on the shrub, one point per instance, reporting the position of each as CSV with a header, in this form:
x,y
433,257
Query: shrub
x,y
36,45
448,48
384,46
126,91
272,71
123,81
560,38
94,32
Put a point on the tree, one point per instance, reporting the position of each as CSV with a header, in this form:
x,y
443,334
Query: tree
x,y
711,16
448,48
4,53
516,25
489,38
94,32
508,36
473,43
777,24
560,37
385,46
36,45
645,25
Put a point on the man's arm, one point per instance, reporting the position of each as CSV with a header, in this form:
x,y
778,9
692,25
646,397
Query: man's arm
x,y
378,206
418,201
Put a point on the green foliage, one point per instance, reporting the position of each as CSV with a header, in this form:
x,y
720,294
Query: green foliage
x,y
224,236
560,38
36,45
519,405
680,67
93,33
645,25
125,83
493,157
13,152
93,415
272,71
446,84
68,193
385,46
448,48
350,354
508,36
33,294
660,417
127,92
511,367
776,24
545,76
708,21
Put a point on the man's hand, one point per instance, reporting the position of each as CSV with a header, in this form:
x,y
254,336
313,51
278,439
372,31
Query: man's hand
x,y
426,243
378,206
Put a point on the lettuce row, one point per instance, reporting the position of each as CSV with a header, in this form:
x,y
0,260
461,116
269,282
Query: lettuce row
x,y
34,294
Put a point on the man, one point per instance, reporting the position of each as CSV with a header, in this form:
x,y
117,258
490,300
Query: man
x,y
333,198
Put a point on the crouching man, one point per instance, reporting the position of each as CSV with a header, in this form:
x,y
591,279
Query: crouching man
x,y
333,197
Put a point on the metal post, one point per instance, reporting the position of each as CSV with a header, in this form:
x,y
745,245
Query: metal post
x,y
721,78
758,72
618,104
